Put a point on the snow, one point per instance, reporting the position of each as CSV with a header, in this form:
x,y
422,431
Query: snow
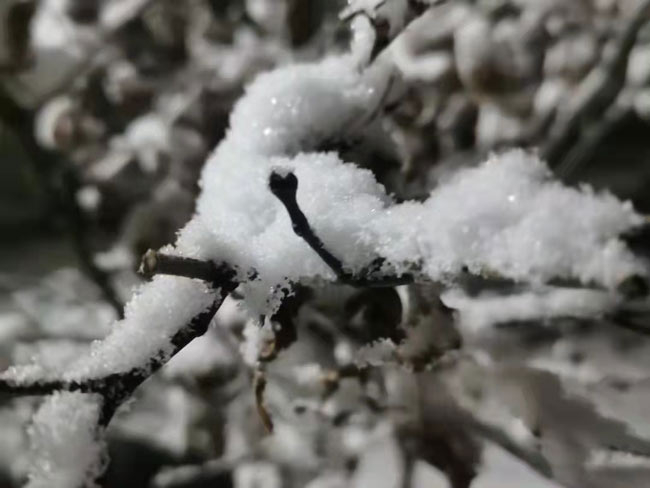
x,y
156,312
502,470
329,480
43,359
257,475
65,443
479,313
161,417
376,354
308,374
380,465
506,215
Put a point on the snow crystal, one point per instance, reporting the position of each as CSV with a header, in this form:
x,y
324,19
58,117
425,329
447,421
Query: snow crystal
x,y
65,443
157,311
42,360
506,216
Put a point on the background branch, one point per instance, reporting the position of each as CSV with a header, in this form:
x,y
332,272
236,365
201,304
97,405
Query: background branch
x,y
596,93
58,179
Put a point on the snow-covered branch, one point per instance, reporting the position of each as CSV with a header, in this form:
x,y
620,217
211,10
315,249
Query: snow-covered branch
x,y
284,187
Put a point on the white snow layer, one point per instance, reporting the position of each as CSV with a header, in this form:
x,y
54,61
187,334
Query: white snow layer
x,y
506,216
155,313
479,313
66,449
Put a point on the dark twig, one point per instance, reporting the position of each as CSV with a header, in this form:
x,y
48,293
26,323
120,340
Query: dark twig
x,y
284,187
116,388
598,91
154,262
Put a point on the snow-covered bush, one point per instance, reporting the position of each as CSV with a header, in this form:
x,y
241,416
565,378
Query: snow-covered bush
x,y
347,316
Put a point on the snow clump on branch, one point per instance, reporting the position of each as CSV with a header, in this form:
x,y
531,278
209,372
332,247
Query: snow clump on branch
x,y
506,216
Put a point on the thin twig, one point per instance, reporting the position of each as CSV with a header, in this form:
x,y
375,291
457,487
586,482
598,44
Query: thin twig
x,y
154,262
116,388
284,187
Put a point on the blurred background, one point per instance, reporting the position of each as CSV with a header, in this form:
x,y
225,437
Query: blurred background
x,y
108,109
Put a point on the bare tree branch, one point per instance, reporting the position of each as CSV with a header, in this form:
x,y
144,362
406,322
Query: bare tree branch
x,y
154,262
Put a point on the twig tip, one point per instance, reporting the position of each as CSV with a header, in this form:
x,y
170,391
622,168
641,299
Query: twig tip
x,y
283,183
149,263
